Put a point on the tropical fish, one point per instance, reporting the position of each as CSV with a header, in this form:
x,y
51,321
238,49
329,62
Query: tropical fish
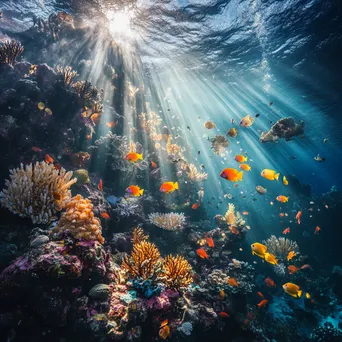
x,y
286,230
48,159
210,242
293,290
164,332
135,190
317,229
195,206
282,199
298,216
245,167
263,303
271,259
307,295
292,269
222,294
202,253
41,106
36,149
245,213
291,255
270,282
165,322
260,189
154,165
100,185
232,175
258,249
260,295
270,174
209,124
247,121
95,118
169,187
110,124
306,266
233,282
285,181
105,216
240,158
223,314
133,157
48,111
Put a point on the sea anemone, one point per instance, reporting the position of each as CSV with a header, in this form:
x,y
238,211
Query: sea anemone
x,y
170,221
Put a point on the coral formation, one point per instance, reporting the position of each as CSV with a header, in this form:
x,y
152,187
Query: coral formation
x,y
194,175
138,236
280,247
37,191
67,73
171,221
9,51
79,220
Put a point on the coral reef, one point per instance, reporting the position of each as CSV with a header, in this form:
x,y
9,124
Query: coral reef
x,y
79,220
170,221
10,51
326,333
37,191
281,246
138,236
67,74
194,175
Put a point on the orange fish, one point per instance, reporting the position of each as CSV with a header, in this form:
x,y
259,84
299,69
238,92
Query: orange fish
x,y
164,332
154,165
233,230
133,157
232,175
223,314
202,253
282,199
95,118
263,303
306,266
298,216
245,213
287,230
111,124
166,322
281,214
260,295
233,282
245,167
270,282
100,186
240,158
48,159
291,255
292,269
317,230
135,190
58,166
210,241
195,206
36,149
169,187
105,216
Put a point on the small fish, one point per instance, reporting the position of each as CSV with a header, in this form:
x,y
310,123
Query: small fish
x,y
165,322
188,127
325,141
291,255
202,253
307,295
298,216
233,282
281,214
232,175
210,242
105,216
270,174
36,149
286,230
135,190
271,259
245,213
133,157
263,303
247,121
48,111
305,267
270,104
223,314
195,206
258,249
245,167
48,159
293,269
164,332
240,158
260,189
293,290
319,159
270,282
222,294
317,229
41,106
169,187
154,165
285,181
111,124
282,199
257,115
100,185
260,295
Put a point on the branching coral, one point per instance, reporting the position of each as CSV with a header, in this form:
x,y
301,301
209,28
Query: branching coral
x,y
170,221
85,90
9,51
79,220
138,236
144,262
37,191
280,247
194,175
176,272
67,73
230,215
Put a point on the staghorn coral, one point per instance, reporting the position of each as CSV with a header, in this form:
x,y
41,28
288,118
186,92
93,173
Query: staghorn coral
x,y
171,221
79,220
144,261
176,272
9,51
219,143
194,175
280,247
37,191
85,90
138,236
67,73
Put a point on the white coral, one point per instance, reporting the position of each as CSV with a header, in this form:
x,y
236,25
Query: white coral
x,y
170,221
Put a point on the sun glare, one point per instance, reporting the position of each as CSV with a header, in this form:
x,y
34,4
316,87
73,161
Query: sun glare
x,y
120,24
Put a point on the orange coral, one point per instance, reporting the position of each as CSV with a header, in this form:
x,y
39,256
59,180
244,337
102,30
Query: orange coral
x,y
138,235
176,272
79,220
144,262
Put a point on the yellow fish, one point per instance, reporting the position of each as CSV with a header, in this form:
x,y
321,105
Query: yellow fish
x,y
291,255
282,199
258,249
245,167
293,290
307,295
169,187
270,174
271,259
285,181
247,121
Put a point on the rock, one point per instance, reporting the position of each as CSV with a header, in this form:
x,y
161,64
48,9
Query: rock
x,y
8,252
99,291
7,125
7,96
28,88
45,75
39,241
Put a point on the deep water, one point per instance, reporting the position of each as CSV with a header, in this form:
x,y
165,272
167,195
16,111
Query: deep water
x,y
168,80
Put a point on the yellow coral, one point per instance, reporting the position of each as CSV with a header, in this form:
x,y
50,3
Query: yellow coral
x,y
138,235
144,262
79,220
176,272
230,214
37,191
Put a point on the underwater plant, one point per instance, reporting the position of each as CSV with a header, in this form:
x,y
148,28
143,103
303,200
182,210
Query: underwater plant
x,y
37,191
281,246
9,51
171,221
176,272
68,74
79,220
